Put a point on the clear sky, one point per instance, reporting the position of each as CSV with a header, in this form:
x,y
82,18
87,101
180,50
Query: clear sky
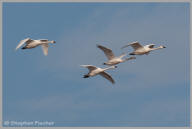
x,y
152,90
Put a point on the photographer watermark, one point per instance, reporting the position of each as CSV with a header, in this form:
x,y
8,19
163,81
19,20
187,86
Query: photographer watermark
x,y
28,123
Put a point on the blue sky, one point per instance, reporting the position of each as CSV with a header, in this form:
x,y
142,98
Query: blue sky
x,y
152,90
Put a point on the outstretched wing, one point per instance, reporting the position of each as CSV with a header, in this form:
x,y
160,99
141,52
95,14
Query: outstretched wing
x,y
90,67
107,76
135,45
22,42
45,49
108,52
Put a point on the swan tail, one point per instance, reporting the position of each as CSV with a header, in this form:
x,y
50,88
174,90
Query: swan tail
x,y
85,76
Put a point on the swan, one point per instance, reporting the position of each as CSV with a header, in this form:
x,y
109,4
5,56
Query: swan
x,y
141,50
93,70
112,60
30,43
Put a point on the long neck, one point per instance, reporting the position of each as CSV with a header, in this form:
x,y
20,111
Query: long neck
x,y
156,48
111,67
121,56
48,42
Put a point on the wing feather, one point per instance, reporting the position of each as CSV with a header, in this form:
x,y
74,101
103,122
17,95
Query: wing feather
x,y
90,67
135,45
45,49
22,42
107,76
108,52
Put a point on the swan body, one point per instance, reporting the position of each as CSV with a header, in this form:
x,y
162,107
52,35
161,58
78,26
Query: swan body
x,y
112,60
30,43
93,71
141,50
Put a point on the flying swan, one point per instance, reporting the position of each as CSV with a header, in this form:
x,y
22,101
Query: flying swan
x,y
141,50
112,60
30,43
93,70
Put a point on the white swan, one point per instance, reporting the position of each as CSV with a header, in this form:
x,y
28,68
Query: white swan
x,y
112,60
30,43
141,50
93,70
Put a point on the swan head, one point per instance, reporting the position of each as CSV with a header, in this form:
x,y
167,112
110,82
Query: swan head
x,y
53,41
162,46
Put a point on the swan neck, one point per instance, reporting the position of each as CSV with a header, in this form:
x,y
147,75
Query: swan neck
x,y
47,42
156,48
50,42
122,55
111,67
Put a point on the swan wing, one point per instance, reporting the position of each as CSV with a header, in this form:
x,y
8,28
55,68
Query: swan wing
x,y
108,52
90,67
130,58
135,45
45,49
22,42
107,76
